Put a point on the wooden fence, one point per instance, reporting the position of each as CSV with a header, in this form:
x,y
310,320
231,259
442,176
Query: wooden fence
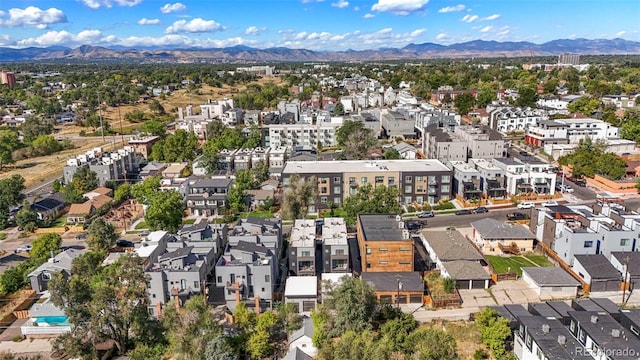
x,y
552,254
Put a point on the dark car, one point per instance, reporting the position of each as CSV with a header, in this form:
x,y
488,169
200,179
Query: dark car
x,y
413,226
517,216
463,212
426,214
480,210
124,243
81,236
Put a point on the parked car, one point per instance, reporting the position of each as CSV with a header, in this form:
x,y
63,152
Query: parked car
x,y
526,205
23,248
480,210
580,182
566,188
516,216
413,226
124,243
81,236
463,212
426,214
550,203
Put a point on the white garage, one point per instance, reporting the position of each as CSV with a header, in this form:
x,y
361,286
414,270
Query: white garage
x,y
550,282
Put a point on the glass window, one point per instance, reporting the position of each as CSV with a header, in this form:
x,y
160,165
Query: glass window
x,y
368,250
391,179
352,180
336,201
196,284
379,179
408,188
306,253
336,180
384,262
444,188
363,180
408,179
323,190
323,200
382,249
352,191
624,242
419,188
432,179
324,180
588,244
337,189
219,280
419,179
267,278
446,178
339,251
407,199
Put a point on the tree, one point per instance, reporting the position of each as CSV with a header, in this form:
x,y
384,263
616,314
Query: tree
x,y
110,305
431,344
181,146
254,139
134,116
391,154
101,235
209,161
494,331
354,302
300,193
260,342
464,103
8,143
485,97
26,218
584,105
122,192
397,330
220,349
339,109
44,246
156,107
45,145
144,191
590,158
527,97
367,200
154,127
190,330
84,179
165,211
10,196
355,140
34,127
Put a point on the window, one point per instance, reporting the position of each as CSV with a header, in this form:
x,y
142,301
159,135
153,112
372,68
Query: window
x,y
352,180
419,178
384,262
339,251
419,188
352,191
588,244
219,280
323,190
408,179
432,179
408,188
368,265
324,180
267,278
379,179
445,179
262,289
407,199
634,330
323,200
336,180
405,249
368,251
46,276
405,262
444,188
337,189
382,249
391,180
306,253
336,201
624,242
363,180
196,284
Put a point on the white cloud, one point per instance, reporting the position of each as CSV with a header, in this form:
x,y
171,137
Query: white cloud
x,y
368,16
196,25
356,8
145,21
442,36
399,7
62,38
254,30
469,18
620,33
491,17
340,4
169,8
33,17
96,4
486,29
456,8
417,32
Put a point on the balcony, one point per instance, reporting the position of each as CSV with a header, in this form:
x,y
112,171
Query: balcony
x,y
306,266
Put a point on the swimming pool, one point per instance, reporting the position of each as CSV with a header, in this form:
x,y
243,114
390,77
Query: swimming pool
x,y
52,320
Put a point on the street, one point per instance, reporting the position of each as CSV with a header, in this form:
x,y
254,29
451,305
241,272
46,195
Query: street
x,y
446,220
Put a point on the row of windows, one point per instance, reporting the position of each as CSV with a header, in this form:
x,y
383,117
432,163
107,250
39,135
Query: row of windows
x,y
267,278
387,263
385,249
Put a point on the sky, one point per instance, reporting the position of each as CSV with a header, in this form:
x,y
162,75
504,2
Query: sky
x,y
309,24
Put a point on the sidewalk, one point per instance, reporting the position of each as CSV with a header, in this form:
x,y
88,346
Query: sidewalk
x,y
40,347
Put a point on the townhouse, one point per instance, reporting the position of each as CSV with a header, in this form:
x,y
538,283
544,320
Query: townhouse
x,y
419,181
206,197
109,166
510,119
570,131
292,135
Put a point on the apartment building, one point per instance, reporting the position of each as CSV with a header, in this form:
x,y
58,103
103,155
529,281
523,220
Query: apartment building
x,y
466,180
267,232
509,119
394,125
527,175
437,143
302,248
570,131
114,166
205,197
385,245
427,115
419,181
142,145
292,135
277,159
335,246
492,178
484,143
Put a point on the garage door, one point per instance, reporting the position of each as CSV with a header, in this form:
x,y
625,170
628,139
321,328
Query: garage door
x,y
385,299
415,299
462,284
611,285
478,284
402,299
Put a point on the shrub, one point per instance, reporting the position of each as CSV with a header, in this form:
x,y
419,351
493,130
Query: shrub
x,y
411,209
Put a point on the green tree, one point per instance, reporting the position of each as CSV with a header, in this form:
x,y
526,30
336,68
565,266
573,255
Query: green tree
x,y
8,143
590,158
165,211
300,193
209,161
34,127
527,97
190,329
355,140
464,103
584,105
101,235
146,352
156,107
397,330
181,146
354,302
260,342
367,200
145,191
485,97
339,109
134,116
26,218
10,196
220,349
154,127
494,331
431,344
122,192
84,179
391,154
45,145
44,246
254,139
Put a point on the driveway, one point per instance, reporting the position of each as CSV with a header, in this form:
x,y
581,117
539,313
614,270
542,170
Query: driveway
x,y
513,292
476,298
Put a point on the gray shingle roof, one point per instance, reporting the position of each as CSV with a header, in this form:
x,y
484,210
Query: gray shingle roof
x,y
634,260
306,329
598,266
490,228
451,245
176,254
388,281
466,270
550,276
60,262
296,354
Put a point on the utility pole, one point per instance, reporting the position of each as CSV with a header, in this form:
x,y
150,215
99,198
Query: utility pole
x,y
398,293
100,114
626,273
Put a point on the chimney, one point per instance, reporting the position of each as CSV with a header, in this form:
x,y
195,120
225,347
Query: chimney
x,y
594,319
176,298
562,340
257,305
545,328
615,333
159,309
237,285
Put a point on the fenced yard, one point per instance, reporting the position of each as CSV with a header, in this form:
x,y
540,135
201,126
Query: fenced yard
x,y
514,264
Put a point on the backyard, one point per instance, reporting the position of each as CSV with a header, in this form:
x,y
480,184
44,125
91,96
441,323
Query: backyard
x,y
506,264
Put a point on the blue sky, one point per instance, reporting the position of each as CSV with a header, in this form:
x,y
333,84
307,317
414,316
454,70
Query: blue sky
x,y
310,24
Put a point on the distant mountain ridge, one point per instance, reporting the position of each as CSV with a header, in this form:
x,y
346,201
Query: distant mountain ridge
x,y
242,53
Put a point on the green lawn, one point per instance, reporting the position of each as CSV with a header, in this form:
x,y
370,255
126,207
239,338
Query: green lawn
x,y
142,225
188,221
505,264
59,222
540,260
258,214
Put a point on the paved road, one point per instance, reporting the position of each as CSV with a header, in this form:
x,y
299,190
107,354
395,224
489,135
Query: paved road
x,y
464,220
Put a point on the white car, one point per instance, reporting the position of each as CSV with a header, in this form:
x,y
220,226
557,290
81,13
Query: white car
x,y
25,248
550,203
567,189
526,205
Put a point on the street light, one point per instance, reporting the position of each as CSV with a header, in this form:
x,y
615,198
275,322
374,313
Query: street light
x,y
398,293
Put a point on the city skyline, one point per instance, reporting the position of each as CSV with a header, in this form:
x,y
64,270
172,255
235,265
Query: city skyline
x,y
309,24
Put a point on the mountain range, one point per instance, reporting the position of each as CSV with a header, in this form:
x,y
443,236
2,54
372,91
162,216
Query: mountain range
x,y
476,48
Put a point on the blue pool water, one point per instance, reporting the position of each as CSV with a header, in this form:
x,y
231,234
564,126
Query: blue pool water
x,y
53,320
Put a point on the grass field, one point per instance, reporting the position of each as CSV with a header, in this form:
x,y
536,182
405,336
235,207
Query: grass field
x,y
142,225
258,214
505,264
59,222
540,260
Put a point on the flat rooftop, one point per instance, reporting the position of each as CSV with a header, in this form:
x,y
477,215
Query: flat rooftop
x,y
354,166
381,227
